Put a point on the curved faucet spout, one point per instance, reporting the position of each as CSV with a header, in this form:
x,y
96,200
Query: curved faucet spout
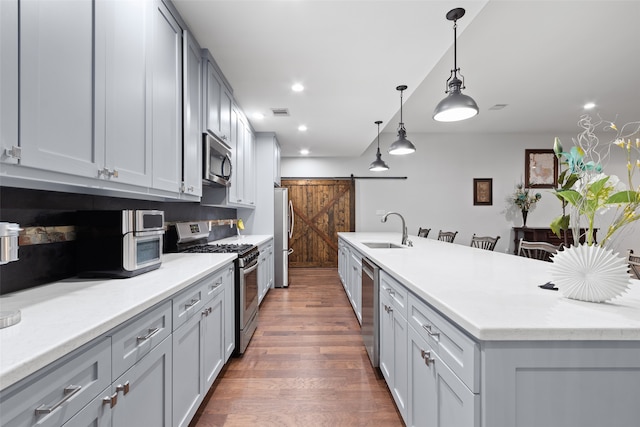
x,y
404,226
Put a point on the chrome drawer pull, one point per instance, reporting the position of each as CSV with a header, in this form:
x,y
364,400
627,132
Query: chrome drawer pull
x,y
123,388
110,400
69,392
193,302
151,332
431,334
215,286
388,308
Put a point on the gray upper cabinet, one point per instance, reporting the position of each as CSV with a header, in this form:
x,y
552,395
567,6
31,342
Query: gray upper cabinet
x,y
192,131
56,87
218,104
9,81
167,100
121,85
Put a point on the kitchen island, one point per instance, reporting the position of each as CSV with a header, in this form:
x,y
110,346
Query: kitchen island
x,y
513,354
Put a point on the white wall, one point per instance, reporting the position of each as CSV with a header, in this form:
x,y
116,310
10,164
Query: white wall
x,y
438,191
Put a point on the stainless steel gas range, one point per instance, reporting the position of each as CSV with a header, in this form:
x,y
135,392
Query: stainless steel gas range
x,y
191,237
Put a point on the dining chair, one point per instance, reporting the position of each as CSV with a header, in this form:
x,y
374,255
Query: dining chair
x,y
634,264
423,232
447,236
484,242
538,250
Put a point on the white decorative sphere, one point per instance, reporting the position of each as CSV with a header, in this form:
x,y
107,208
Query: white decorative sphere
x,y
590,273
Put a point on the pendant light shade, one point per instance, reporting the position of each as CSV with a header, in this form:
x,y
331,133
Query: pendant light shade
x,y
378,165
402,145
456,106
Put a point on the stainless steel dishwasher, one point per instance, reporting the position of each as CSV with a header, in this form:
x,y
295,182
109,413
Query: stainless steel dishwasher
x,y
370,315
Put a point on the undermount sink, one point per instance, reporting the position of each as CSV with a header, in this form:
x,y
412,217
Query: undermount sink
x,y
382,245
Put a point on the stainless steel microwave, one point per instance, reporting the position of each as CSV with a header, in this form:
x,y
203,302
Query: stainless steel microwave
x,y
119,243
216,156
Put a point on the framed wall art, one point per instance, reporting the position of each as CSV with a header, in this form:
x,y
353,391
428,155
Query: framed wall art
x,y
540,169
482,191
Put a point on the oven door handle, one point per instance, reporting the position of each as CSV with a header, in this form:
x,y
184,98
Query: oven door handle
x,y
253,266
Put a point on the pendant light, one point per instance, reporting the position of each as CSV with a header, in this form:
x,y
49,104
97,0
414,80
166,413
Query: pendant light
x,y
456,106
378,165
402,145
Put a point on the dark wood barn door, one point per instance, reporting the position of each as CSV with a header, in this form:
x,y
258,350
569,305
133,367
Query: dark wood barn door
x,y
322,208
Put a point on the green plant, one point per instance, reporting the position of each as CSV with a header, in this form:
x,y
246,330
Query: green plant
x,y
584,186
523,200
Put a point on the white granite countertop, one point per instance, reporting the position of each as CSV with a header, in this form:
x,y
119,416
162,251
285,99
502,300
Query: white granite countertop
x,y
60,317
495,296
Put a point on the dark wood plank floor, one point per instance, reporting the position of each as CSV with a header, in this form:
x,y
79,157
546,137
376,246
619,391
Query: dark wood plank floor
x,y
305,366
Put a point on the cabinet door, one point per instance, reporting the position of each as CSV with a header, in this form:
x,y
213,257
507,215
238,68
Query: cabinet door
x,y
192,140
144,391
166,100
249,166
188,387
212,104
229,312
262,274
226,105
56,87
213,339
121,85
8,78
386,339
437,397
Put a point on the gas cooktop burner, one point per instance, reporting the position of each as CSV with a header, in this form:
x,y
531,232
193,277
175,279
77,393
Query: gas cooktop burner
x,y
219,248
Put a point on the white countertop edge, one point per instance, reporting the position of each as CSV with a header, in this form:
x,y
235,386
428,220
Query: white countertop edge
x,y
21,357
252,239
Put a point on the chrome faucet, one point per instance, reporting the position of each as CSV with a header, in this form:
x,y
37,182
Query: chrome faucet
x,y
404,226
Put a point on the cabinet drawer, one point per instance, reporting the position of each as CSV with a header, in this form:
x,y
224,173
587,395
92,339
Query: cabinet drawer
x,y
396,292
95,414
137,337
213,285
455,349
189,303
57,392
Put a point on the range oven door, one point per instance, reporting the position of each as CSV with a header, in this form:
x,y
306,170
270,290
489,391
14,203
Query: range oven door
x,y
248,303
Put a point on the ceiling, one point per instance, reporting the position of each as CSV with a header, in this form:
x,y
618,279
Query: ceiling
x,y
543,59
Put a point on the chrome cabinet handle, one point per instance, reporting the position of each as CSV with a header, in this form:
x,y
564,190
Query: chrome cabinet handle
x,y
69,392
431,334
207,311
426,355
388,308
124,388
150,333
215,286
193,302
110,400
391,292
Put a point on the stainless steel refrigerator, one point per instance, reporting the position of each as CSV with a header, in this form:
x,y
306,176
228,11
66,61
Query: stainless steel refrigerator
x,y
283,230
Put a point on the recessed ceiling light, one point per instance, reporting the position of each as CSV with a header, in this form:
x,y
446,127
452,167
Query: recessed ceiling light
x,y
297,87
589,105
302,128
304,152
258,116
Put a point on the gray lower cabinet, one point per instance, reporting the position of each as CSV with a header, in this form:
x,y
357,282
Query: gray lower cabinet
x,y
198,344
265,269
437,397
153,370
229,312
393,341
145,390
50,397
